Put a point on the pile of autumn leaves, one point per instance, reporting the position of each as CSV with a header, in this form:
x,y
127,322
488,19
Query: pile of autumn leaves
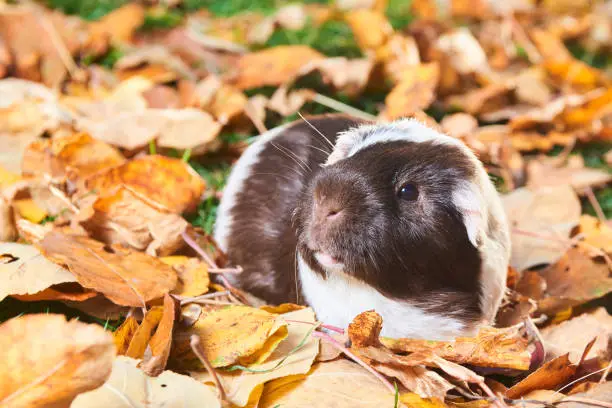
x,y
90,217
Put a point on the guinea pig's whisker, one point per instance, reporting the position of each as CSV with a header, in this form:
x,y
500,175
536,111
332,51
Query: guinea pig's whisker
x,y
299,161
316,130
327,153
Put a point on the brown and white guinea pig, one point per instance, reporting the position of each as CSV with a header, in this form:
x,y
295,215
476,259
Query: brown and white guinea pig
x,y
349,216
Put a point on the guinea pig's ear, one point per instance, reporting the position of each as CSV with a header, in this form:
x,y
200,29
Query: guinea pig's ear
x,y
344,144
469,202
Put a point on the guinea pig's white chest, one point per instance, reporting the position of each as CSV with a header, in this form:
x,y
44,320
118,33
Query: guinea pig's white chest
x,y
339,298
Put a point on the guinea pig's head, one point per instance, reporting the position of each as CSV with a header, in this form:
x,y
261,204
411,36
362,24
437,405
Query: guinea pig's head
x,y
397,206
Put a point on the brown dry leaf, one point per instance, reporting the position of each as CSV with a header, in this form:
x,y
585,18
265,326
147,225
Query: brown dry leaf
x,y
414,92
8,231
161,341
341,383
193,279
349,76
99,307
240,386
126,277
272,66
550,376
575,72
481,100
423,382
547,114
548,171
550,45
77,155
120,25
459,125
572,336
592,110
370,28
129,387
144,332
596,234
575,279
155,63
124,334
172,128
124,218
63,291
601,392
25,271
541,221
399,52
231,335
286,102
223,101
162,97
145,176
48,361
5,58
465,53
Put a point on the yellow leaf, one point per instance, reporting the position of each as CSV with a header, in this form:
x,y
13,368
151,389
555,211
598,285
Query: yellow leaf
x,y
48,361
412,400
193,279
161,341
370,28
415,90
145,331
124,334
8,177
28,209
232,335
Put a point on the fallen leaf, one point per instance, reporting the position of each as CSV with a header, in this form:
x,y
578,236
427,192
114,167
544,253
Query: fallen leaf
x,y
144,332
129,387
459,125
126,277
592,110
49,361
124,334
155,63
602,392
172,128
541,221
293,356
78,156
162,97
415,90
548,377
27,208
25,271
99,307
412,400
222,101
340,382
596,234
421,381
465,53
284,101
575,72
575,279
62,291
572,336
349,76
193,279
370,28
165,183
550,45
481,100
120,24
8,231
548,171
272,66
124,218
231,335
161,341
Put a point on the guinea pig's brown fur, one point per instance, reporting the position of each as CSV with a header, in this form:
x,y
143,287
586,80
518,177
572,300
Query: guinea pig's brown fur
x,y
347,217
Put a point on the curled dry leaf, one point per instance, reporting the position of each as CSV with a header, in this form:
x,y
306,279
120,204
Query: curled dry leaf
x,y
125,277
272,66
77,156
575,279
241,386
129,387
124,218
25,271
541,221
231,335
340,382
163,182
414,92
193,279
572,336
161,341
550,376
49,361
548,171
124,334
144,332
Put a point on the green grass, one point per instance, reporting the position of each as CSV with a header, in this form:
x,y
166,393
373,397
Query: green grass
x,y
87,9
227,8
332,38
599,60
215,177
399,14
162,20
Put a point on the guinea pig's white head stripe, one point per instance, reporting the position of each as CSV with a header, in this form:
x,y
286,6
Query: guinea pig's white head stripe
x,y
409,130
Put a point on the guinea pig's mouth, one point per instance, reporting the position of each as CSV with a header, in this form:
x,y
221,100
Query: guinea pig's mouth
x,y
327,261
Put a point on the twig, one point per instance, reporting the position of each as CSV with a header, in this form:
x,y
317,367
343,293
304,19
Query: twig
x,y
325,326
605,374
341,107
196,346
581,378
349,354
593,200
206,296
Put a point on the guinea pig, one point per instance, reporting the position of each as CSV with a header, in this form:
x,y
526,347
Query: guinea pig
x,y
347,216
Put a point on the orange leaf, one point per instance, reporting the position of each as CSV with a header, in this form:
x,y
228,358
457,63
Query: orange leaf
x,y
48,361
124,334
273,66
126,277
161,341
414,92
142,336
163,182
550,376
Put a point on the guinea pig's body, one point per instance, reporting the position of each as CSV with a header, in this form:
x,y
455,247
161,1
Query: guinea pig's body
x,y
347,217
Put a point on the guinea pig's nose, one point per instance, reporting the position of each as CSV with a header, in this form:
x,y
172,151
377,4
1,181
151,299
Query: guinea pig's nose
x,y
327,209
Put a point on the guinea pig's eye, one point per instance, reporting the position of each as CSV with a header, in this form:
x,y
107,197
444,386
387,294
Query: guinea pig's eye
x,y
408,192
